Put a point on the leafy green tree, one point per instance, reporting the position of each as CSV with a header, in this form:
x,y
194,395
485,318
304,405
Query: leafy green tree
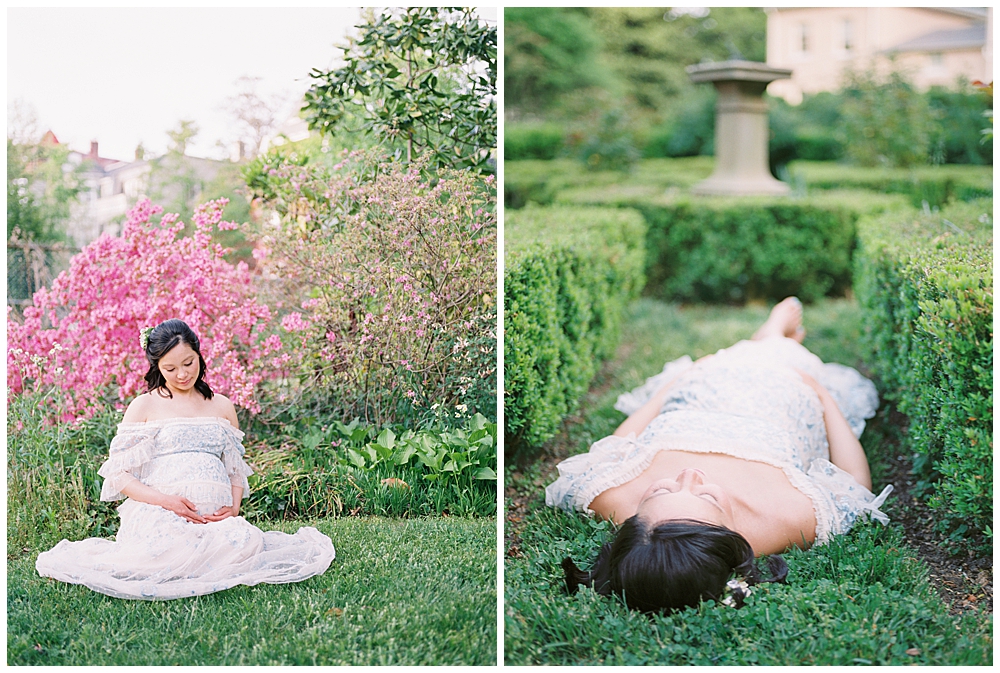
x,y
884,120
173,181
39,191
422,80
549,52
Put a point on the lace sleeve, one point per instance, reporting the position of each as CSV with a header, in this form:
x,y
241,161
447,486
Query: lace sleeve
x,y
611,462
133,446
232,458
843,500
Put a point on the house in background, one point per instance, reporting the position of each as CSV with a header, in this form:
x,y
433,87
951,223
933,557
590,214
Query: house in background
x,y
111,186
933,45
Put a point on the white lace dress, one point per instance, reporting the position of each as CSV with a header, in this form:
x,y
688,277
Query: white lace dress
x,y
746,402
157,554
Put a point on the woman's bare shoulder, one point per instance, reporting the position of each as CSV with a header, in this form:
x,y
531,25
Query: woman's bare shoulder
x,y
138,409
224,408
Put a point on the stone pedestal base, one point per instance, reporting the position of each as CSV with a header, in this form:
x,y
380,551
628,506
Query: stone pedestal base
x,y
741,133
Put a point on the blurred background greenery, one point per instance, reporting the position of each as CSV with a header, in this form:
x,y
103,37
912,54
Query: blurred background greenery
x,y
607,86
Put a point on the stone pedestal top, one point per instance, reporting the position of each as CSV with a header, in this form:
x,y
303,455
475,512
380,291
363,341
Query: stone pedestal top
x,y
740,71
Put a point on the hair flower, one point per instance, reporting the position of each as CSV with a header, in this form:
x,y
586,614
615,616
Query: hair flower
x,y
736,591
144,336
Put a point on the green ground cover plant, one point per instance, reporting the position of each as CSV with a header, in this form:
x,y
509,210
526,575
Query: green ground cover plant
x,y
925,281
404,592
862,599
569,272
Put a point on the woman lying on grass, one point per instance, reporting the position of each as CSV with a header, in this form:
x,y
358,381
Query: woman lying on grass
x,y
178,459
741,454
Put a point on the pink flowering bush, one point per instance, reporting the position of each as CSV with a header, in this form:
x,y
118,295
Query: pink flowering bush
x,y
81,336
389,284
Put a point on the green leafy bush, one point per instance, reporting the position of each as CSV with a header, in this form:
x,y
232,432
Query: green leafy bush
x,y
569,273
734,249
323,467
925,282
937,185
304,468
532,141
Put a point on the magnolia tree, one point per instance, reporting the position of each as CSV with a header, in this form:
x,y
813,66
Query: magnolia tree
x,y
390,285
81,336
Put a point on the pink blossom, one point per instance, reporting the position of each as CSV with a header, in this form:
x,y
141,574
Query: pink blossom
x,y
293,322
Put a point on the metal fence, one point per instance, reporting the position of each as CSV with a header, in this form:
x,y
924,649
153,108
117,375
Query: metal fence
x,y
33,265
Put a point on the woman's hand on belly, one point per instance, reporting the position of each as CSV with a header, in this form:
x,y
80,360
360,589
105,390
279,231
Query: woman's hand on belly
x,y
223,513
182,507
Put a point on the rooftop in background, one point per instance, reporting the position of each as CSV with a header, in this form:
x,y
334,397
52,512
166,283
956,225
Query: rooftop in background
x,y
934,46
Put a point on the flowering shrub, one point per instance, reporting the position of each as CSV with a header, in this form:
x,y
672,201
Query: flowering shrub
x,y
389,279
81,336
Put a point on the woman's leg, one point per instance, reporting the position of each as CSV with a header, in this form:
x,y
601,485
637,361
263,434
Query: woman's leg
x,y
785,321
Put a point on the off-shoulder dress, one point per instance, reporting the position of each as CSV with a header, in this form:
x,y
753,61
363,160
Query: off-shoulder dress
x,y
158,555
748,402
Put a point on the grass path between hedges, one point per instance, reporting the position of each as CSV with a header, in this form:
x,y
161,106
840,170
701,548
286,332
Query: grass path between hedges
x,y
863,598
400,591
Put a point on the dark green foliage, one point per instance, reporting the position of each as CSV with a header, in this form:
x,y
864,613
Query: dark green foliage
x,y
548,52
937,185
734,249
568,274
649,47
958,138
690,130
532,141
925,281
421,80
885,121
608,144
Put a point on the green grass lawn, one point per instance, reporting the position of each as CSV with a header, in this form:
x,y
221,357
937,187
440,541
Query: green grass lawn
x,y
400,591
863,598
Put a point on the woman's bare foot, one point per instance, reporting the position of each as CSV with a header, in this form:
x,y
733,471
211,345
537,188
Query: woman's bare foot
x,y
785,320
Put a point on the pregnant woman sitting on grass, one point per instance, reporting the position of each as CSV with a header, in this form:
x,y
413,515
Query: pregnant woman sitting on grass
x,y
178,459
742,454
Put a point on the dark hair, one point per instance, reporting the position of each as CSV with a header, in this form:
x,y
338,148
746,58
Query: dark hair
x,y
162,339
672,565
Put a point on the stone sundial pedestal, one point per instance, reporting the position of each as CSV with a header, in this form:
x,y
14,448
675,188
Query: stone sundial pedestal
x,y
741,132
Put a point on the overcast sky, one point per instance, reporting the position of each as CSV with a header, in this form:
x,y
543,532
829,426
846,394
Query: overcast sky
x,y
122,76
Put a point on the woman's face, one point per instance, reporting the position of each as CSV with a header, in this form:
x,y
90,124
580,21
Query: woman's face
x,y
180,368
687,496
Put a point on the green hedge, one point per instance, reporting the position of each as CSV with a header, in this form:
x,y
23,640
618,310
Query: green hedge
x,y
568,275
925,283
937,185
532,141
735,249
540,182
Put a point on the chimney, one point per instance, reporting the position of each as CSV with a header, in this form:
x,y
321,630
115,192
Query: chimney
x,y
93,149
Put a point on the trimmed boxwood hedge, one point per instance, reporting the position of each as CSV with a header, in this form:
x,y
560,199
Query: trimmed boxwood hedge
x,y
925,283
532,141
735,249
568,275
937,185
531,181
